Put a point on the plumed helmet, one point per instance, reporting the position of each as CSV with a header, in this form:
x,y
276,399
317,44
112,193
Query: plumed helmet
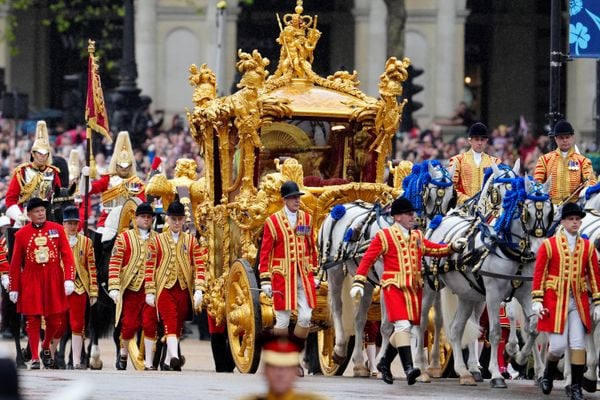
x,y
290,188
74,164
563,127
478,129
402,205
570,209
41,143
71,213
122,154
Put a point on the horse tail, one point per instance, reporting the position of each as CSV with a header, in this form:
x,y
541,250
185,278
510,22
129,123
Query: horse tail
x,y
449,306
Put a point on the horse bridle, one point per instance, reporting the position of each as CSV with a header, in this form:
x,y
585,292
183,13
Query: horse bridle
x,y
439,185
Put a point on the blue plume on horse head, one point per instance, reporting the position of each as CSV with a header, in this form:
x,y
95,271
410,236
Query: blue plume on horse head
x,y
592,190
489,171
414,183
512,204
338,212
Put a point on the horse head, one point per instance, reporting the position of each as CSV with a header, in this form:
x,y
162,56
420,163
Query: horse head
x,y
538,212
591,200
497,182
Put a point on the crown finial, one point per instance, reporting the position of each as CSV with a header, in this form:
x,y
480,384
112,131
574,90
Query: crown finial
x,y
299,8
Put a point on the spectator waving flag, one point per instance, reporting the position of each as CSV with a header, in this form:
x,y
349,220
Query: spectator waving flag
x,y
95,109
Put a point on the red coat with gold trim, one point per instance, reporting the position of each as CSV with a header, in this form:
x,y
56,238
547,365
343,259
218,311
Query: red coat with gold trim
x,y
566,173
4,266
468,177
36,271
402,259
19,192
286,252
560,274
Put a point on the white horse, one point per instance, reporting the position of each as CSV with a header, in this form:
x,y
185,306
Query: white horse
x,y
502,258
344,236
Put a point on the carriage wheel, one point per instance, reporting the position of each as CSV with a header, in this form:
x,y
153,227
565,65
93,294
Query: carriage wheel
x,y
445,352
242,308
325,344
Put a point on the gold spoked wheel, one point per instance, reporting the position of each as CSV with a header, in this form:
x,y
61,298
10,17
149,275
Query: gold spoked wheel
x,y
242,307
325,344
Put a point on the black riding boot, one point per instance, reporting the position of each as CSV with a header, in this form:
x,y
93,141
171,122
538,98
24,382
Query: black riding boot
x,y
548,377
385,363
576,379
407,363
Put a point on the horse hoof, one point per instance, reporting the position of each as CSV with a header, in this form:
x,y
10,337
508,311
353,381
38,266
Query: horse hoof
x,y
467,380
434,372
588,385
339,360
361,372
477,376
96,364
498,383
424,378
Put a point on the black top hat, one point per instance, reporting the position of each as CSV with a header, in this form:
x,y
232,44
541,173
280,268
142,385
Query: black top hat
x,y
402,205
176,209
144,209
290,188
571,209
71,213
478,129
563,127
35,202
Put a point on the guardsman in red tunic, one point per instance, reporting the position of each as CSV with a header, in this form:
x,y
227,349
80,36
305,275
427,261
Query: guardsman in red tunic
x,y
566,273
402,249
37,178
126,285
4,266
42,271
288,262
174,278
468,175
86,286
570,171
120,183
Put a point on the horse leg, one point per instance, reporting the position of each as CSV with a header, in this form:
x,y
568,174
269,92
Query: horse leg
x,y
335,278
15,330
360,320
523,295
512,346
495,334
435,366
474,349
457,328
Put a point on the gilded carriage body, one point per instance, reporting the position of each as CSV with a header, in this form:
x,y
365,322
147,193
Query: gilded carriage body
x,y
322,133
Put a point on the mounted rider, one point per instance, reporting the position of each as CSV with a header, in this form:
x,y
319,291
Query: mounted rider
x,y
569,171
120,183
36,178
469,172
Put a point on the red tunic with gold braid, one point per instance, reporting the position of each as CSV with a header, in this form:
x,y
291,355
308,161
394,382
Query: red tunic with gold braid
x,y
468,177
402,283
128,264
36,271
28,182
566,173
4,266
560,274
115,190
169,263
286,253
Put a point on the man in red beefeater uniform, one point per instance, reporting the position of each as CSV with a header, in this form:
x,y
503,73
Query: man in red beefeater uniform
x,y
402,248
120,183
37,178
42,271
566,270
288,260
174,278
126,285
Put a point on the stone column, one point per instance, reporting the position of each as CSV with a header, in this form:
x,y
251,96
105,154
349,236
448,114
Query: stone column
x,y
581,93
445,72
146,45
370,43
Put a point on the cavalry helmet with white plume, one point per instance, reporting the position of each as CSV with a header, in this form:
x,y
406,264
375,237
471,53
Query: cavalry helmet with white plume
x,y
122,154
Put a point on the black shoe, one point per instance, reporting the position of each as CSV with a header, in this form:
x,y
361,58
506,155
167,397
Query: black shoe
x,y
175,364
152,368
576,379
80,366
35,364
547,382
47,360
165,367
121,363
384,365
406,357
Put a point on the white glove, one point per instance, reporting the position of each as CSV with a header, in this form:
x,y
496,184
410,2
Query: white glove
x,y
69,287
538,309
197,298
5,281
151,300
13,296
85,171
267,289
459,245
357,291
317,282
114,295
14,212
93,301
596,315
